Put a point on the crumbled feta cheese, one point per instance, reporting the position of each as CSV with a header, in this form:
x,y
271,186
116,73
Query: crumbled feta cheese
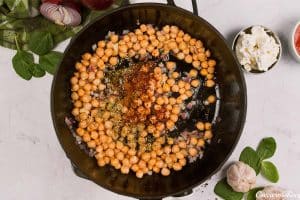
x,y
257,50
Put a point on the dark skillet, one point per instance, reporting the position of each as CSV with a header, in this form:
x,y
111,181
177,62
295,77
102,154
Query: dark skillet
x,y
227,129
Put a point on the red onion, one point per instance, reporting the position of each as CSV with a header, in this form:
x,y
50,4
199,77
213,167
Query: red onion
x,y
62,12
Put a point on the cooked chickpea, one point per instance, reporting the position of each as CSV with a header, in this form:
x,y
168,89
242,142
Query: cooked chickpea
x,y
200,143
139,174
182,162
200,126
174,118
182,45
189,93
134,159
210,76
181,91
171,82
181,84
160,101
195,83
210,83
101,162
86,137
186,37
175,88
207,134
180,56
86,56
212,63
74,96
187,86
211,99
94,135
207,53
180,155
160,126
142,51
175,148
188,59
193,73
208,126
210,70
177,166
91,144
126,162
165,172
171,45
171,66
125,170
170,124
193,151
176,110
175,75
109,152
75,112
204,64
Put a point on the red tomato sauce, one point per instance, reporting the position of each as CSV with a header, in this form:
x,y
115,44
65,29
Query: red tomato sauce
x,y
297,39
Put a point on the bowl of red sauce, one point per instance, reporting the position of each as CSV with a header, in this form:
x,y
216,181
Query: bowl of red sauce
x,y
295,44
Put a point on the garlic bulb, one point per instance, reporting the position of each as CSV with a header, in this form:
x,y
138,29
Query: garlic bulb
x,y
271,193
241,177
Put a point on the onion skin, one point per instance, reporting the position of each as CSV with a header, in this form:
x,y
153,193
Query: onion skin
x,y
61,12
97,4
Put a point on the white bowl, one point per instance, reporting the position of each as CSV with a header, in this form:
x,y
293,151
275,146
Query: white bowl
x,y
269,32
292,43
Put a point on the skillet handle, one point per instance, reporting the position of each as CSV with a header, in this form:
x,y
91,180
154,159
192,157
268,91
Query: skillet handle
x,y
170,3
194,3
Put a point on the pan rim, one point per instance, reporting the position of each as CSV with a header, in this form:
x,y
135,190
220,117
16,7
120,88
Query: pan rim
x,y
243,101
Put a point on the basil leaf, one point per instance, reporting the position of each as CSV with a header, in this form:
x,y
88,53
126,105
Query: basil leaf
x,y
40,42
38,71
23,64
250,157
266,148
269,171
224,190
252,193
50,61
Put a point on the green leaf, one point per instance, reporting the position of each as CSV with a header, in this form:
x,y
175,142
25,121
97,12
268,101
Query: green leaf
x,y
250,157
266,148
224,190
40,42
38,71
252,193
50,61
23,64
269,171
22,8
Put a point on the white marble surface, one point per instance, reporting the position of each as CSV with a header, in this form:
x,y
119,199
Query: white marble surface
x,y
34,167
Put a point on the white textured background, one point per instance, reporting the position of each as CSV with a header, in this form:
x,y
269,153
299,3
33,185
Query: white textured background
x,y
34,167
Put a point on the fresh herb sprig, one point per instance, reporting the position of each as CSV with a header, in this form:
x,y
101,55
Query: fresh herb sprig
x,y
41,43
257,160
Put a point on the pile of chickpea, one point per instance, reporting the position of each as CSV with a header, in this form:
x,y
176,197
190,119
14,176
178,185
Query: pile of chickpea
x,y
141,145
